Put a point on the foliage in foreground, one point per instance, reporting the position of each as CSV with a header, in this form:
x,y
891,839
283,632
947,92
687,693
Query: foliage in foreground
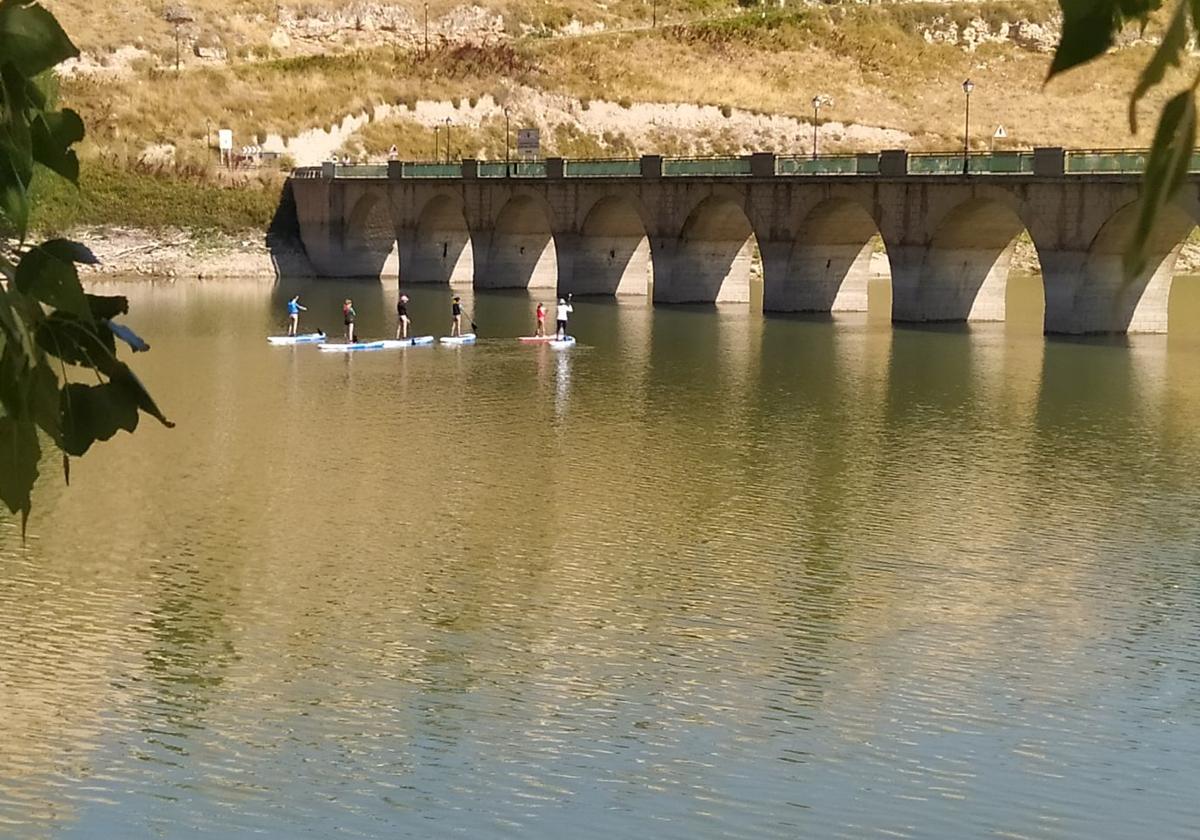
x,y
47,321
1090,29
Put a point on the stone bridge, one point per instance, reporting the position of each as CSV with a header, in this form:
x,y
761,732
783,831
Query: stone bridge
x,y
690,238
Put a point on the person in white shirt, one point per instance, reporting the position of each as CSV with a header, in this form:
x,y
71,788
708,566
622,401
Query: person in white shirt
x,y
564,310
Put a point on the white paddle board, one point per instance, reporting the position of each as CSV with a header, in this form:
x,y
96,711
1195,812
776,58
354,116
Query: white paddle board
x,y
306,338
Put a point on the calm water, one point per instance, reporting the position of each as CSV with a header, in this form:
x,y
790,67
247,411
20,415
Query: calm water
x,y
705,576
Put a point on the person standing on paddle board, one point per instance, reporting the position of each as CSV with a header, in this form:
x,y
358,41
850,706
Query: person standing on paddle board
x,y
402,316
541,320
456,316
348,316
564,311
294,310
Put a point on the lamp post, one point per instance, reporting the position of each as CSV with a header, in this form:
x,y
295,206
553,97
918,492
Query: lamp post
x,y
426,29
507,167
967,87
816,103
447,140
436,149
654,14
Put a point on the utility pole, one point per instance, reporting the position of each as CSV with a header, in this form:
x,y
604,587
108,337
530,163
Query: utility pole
x,y
967,87
177,16
507,166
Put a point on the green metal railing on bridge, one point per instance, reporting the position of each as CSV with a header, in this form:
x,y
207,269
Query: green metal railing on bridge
x,y
429,170
513,169
867,164
674,167
610,168
369,170
987,163
1064,162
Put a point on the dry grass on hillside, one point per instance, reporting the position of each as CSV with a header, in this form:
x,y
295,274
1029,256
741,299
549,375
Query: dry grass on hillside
x,y
873,61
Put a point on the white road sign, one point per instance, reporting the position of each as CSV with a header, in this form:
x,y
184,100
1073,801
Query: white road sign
x,y
529,142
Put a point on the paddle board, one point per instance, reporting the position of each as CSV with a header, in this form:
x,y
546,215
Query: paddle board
x,y
568,341
469,338
306,338
536,339
358,345
417,341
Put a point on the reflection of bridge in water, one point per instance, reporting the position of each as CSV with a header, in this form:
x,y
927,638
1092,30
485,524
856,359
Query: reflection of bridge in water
x,y
689,229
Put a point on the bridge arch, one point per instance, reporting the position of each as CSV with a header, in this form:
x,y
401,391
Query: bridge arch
x,y
831,261
965,270
522,253
369,244
442,251
1106,302
715,257
612,256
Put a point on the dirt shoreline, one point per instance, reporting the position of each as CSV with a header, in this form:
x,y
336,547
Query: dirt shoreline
x,y
182,255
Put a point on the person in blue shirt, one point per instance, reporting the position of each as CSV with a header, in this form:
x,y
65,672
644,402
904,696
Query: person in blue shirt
x,y
294,310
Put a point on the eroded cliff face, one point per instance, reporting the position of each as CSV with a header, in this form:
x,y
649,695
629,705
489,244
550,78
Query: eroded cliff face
x,y
305,29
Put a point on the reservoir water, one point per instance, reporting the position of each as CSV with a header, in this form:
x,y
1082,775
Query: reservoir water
x,y
706,575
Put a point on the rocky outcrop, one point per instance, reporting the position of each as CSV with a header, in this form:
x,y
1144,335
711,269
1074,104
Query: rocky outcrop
x,y
1038,37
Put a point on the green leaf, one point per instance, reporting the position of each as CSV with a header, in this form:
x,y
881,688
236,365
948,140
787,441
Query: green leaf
x,y
19,456
14,200
108,306
1166,171
53,134
125,378
95,412
19,317
44,401
1169,54
48,273
1089,26
77,342
31,39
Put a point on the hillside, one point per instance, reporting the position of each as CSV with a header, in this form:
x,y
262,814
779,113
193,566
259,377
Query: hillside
x,y
313,78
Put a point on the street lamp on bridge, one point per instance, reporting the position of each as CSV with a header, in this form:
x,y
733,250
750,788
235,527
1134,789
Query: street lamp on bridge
x,y
507,167
447,140
817,102
967,87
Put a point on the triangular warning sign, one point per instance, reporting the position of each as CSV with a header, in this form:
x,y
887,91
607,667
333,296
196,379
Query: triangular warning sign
x,y
1000,133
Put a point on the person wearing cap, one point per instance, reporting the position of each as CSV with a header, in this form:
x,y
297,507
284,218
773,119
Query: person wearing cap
x,y
294,309
564,310
456,316
402,317
348,316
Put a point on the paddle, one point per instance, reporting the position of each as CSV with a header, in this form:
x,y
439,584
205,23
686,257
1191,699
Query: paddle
x,y
471,318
